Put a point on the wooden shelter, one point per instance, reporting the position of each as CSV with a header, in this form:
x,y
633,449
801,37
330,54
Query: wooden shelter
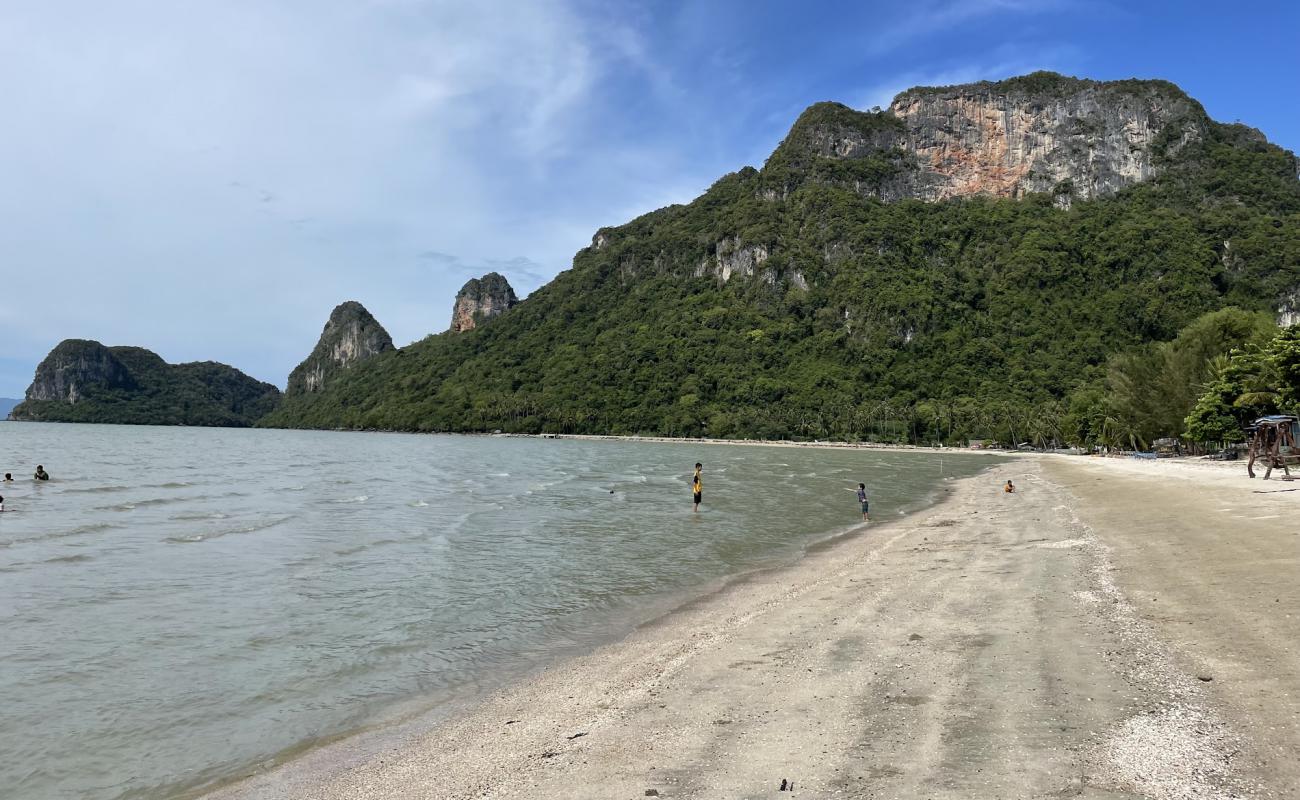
x,y
1167,448
1273,439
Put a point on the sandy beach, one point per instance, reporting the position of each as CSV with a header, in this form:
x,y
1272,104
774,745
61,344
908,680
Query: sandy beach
x,y
1114,629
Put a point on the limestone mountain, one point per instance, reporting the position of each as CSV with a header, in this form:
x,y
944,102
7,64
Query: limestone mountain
x,y
84,381
481,299
1041,133
351,335
961,263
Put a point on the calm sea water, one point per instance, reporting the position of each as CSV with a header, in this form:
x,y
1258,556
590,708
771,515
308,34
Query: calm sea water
x,y
178,604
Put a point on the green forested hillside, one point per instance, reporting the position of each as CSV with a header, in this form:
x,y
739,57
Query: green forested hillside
x,y
84,381
861,318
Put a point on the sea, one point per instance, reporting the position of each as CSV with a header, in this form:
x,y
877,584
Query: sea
x,y
182,606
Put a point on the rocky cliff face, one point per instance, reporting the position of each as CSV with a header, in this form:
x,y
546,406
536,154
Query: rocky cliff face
x,y
75,366
351,334
1038,133
84,381
480,300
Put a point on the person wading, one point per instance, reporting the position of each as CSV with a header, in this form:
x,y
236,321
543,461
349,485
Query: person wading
x,y
697,488
862,501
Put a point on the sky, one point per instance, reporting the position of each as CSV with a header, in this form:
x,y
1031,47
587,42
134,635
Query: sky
x,y
209,178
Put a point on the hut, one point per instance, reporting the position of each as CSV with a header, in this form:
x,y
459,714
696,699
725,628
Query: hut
x,y
1167,448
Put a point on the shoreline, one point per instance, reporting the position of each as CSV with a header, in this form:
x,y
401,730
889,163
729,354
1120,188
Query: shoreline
x,y
869,446
990,644
310,762
873,446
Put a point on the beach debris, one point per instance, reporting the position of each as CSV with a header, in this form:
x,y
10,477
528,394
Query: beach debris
x,y
549,754
651,792
511,721
786,786
915,637
576,735
1205,678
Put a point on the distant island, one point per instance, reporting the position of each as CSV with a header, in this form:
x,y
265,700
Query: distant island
x,y
84,381
976,261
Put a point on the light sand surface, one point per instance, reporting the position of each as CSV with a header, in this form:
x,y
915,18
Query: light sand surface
x,y
1048,643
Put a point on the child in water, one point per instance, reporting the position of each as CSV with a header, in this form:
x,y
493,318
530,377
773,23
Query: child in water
x,y
697,487
1010,488
862,501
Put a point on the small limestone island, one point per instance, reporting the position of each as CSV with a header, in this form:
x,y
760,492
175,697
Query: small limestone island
x,y
84,381
974,253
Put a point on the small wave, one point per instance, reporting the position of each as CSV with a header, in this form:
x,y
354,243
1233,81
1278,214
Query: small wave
x,y
198,537
348,551
203,537
97,489
77,531
498,474
77,559
262,526
419,504
150,501
94,527
361,498
192,517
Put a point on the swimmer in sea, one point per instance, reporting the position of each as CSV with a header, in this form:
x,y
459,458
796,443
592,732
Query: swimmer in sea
x,y
9,478
2,504
41,474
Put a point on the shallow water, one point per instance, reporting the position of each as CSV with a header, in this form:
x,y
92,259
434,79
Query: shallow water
x,y
179,604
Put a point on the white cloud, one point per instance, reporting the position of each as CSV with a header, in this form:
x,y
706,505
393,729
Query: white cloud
x,y
208,179
927,17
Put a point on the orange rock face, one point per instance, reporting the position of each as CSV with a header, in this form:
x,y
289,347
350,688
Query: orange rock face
x,y
481,299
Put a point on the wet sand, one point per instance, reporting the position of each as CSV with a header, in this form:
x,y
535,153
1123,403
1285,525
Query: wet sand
x,y
1050,643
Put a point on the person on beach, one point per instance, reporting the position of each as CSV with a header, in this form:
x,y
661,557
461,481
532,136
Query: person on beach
x,y
862,501
41,474
1010,488
697,487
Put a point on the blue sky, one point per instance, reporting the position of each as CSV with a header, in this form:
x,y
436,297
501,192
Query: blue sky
x,y
208,179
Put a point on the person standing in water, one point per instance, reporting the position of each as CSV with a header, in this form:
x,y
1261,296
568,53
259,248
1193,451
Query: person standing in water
x,y
41,474
862,501
697,487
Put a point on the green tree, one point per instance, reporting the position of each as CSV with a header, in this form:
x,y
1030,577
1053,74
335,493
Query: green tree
x,y
1283,354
